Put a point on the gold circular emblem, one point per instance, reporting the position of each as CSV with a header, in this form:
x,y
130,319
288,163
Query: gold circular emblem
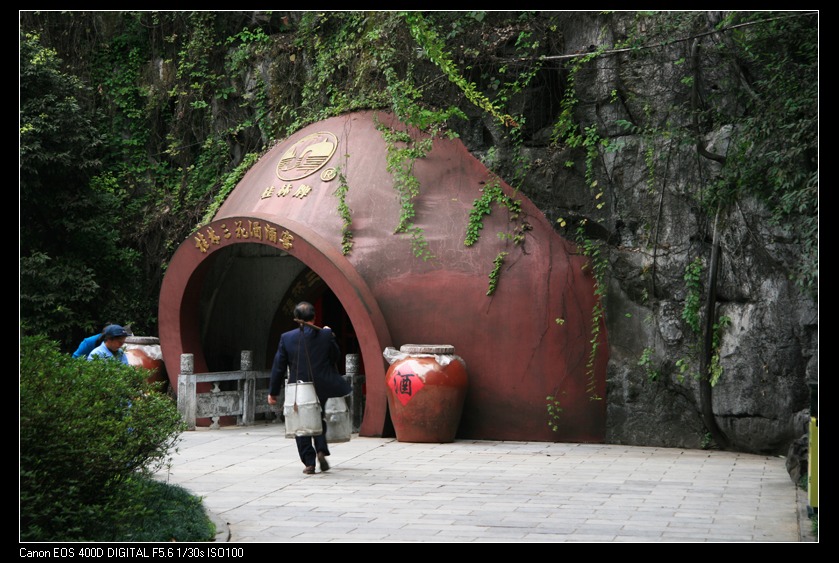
x,y
328,174
307,156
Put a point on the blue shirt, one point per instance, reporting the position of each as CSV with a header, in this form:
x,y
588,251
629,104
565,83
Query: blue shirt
x,y
102,351
87,346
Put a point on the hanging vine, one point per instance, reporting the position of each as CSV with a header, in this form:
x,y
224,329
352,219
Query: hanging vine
x,y
482,207
566,131
435,49
345,212
402,152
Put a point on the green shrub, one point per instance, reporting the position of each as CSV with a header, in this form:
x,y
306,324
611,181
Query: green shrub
x,y
146,510
87,431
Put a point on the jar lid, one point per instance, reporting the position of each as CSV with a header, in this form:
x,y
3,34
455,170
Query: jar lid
x,y
427,349
143,340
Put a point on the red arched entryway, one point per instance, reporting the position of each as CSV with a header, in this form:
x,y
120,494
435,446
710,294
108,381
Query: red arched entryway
x,y
179,313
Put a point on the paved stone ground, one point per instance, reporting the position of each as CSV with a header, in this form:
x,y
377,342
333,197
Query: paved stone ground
x,y
383,490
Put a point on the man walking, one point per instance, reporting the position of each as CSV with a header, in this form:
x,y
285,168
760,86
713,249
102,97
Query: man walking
x,y
309,353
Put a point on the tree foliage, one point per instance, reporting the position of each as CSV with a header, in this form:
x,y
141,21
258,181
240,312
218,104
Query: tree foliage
x,y
774,146
121,154
68,236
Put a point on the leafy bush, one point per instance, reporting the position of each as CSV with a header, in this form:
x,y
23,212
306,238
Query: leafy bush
x,y
146,510
88,430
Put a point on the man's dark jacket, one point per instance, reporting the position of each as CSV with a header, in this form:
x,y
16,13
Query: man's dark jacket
x,y
306,354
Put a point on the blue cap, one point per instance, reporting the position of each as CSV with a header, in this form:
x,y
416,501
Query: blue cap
x,y
114,331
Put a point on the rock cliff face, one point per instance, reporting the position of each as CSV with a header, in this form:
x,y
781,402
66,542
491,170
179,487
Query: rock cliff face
x,y
654,228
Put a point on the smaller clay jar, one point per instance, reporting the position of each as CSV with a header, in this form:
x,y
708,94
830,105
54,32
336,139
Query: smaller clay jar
x,y
144,351
426,389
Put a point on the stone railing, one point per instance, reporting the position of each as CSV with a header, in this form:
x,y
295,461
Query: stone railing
x,y
244,402
250,396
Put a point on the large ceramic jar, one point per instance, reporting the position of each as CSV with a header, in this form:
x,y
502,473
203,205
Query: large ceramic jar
x,y
426,389
144,351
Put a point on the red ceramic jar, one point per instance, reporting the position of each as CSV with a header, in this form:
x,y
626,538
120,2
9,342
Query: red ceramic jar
x,y
144,351
426,389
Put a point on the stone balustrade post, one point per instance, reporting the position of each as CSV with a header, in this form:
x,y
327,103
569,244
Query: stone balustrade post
x,y
186,391
356,399
249,390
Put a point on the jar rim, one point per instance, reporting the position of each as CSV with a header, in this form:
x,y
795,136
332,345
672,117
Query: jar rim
x,y
427,349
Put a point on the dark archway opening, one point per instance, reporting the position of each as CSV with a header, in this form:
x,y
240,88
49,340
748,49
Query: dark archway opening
x,y
308,286
329,311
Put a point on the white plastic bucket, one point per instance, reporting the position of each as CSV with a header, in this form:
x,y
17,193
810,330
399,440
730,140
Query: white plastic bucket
x,y
338,420
301,410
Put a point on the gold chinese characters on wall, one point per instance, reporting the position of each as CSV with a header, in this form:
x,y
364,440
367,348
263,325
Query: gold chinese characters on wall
x,y
242,230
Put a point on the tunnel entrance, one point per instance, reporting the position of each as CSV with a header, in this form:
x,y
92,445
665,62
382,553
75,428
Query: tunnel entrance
x,y
329,311
248,301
